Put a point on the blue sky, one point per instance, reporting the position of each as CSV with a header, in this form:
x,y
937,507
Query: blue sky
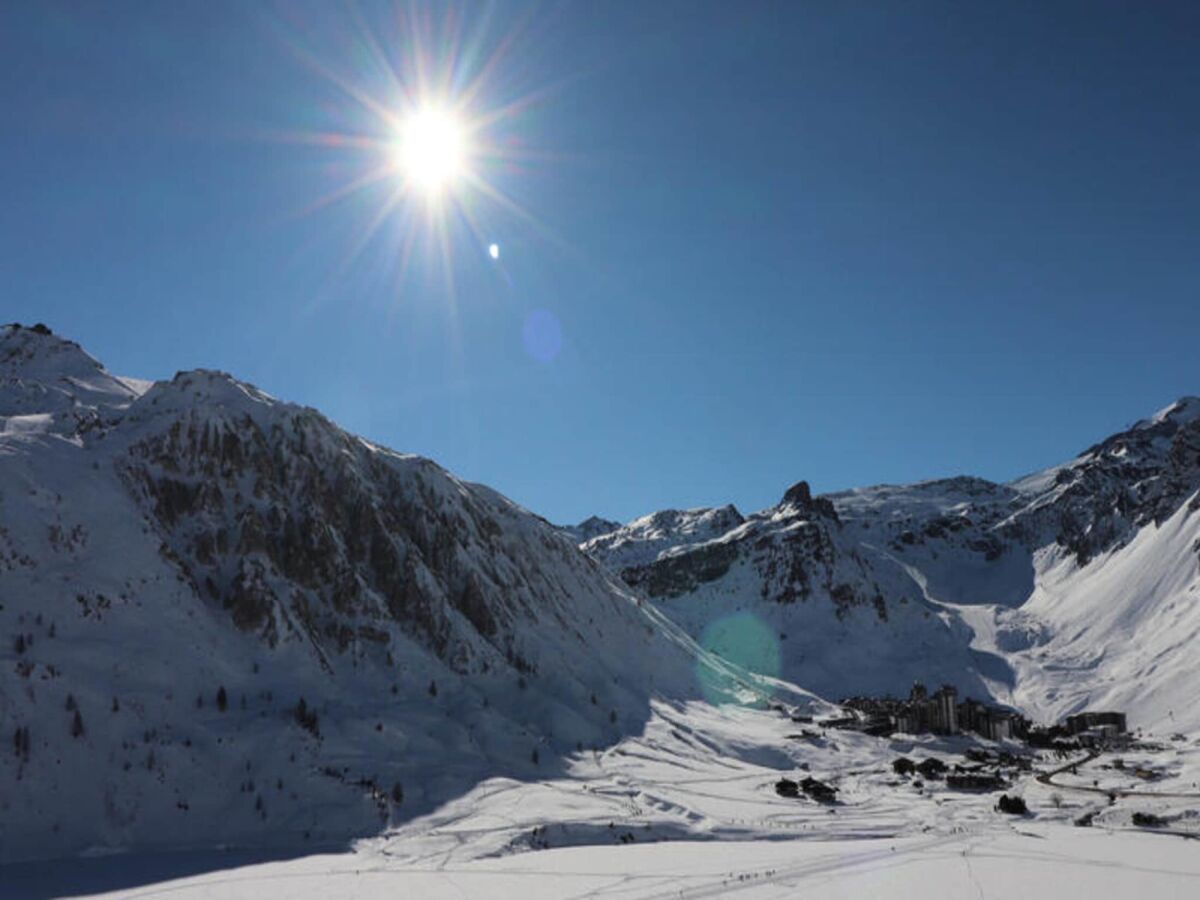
x,y
849,243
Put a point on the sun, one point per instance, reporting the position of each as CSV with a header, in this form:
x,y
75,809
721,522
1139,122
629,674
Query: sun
x,y
428,137
431,150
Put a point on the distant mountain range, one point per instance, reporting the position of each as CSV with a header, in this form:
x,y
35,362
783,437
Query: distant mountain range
x,y
227,620
1075,586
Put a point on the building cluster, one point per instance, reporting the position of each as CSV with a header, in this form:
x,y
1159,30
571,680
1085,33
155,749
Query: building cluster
x,y
1096,728
942,713
939,712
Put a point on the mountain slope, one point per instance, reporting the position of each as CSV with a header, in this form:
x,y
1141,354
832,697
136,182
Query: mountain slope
x,y
228,621
1072,587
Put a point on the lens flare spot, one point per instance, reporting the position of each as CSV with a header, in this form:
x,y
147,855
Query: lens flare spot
x,y
744,640
494,251
542,335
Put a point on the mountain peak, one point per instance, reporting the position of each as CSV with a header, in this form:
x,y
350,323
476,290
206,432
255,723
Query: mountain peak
x,y
37,353
42,374
211,386
799,496
592,526
17,327
1183,411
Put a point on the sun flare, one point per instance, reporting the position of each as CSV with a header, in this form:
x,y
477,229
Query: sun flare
x,y
432,138
431,150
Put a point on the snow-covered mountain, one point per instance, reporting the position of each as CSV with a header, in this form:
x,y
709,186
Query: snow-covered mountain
x,y
227,620
1073,587
592,526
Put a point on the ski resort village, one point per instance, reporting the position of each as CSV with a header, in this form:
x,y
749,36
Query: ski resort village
x,y
943,713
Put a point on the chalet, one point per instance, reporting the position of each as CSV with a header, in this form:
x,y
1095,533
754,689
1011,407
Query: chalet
x,y
931,768
818,790
975,781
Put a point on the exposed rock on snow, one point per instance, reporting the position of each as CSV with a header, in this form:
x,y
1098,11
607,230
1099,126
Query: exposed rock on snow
x,y
1070,587
226,620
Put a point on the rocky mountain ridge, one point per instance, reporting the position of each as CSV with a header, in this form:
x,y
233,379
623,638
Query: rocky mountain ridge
x,y
911,576
227,620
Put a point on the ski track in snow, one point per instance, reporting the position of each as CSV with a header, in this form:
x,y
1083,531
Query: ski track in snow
x,y
707,824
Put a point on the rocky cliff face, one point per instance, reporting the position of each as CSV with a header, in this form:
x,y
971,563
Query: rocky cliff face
x,y
1117,487
301,531
226,620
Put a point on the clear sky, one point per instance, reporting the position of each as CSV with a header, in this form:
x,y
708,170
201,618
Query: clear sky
x,y
743,244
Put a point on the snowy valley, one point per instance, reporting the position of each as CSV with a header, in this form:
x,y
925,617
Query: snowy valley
x,y
228,623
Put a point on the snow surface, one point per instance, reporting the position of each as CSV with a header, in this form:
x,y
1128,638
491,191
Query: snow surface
x,y
688,808
1035,863
554,733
